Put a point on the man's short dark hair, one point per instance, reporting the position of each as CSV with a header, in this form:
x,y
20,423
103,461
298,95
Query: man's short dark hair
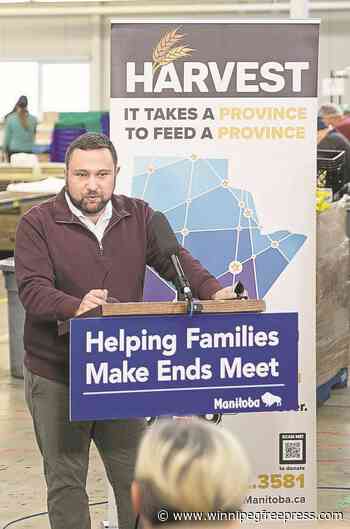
x,y
89,142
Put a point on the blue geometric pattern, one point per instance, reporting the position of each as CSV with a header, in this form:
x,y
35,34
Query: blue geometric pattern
x,y
217,223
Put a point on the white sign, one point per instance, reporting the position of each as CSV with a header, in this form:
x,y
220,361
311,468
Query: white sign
x,y
215,125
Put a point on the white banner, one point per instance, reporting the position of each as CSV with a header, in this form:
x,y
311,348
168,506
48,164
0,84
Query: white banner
x,y
215,125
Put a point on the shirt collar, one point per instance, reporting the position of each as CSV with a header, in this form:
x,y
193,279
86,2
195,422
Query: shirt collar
x,y
106,215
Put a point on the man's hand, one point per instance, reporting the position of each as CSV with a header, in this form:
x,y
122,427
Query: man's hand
x,y
91,300
224,293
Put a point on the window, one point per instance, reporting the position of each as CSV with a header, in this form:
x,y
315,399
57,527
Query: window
x,y
65,87
19,78
50,87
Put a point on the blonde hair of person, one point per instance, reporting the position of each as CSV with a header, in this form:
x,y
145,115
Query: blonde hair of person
x,y
190,466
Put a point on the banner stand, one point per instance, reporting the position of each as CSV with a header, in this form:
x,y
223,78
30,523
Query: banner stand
x,y
214,123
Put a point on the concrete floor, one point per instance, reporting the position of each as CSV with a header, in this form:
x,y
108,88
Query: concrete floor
x,y
22,489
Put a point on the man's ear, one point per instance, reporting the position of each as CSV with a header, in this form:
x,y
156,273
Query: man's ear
x,y
136,496
116,171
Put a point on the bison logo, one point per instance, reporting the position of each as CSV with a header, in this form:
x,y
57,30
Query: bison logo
x,y
269,399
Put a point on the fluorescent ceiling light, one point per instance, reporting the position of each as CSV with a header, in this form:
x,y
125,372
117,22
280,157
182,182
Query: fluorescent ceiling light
x,y
15,1
65,1
78,1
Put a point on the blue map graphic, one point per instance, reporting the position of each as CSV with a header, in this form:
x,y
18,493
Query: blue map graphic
x,y
217,223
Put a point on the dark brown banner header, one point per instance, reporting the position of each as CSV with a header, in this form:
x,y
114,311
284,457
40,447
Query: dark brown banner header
x,y
214,60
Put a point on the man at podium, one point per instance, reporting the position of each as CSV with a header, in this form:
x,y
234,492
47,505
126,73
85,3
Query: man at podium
x,y
73,252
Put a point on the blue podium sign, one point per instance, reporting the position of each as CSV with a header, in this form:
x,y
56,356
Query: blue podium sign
x,y
139,366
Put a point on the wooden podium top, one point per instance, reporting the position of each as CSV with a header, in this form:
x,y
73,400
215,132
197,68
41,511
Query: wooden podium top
x,y
163,308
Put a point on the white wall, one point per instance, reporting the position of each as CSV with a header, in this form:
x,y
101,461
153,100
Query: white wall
x,y
45,37
56,38
87,37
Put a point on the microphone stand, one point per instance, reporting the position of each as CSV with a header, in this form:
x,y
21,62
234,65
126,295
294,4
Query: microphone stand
x,y
183,288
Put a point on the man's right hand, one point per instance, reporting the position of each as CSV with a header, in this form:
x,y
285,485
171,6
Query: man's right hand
x,y
91,300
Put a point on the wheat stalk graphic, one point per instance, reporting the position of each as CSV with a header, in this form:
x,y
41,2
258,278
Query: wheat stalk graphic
x,y
166,52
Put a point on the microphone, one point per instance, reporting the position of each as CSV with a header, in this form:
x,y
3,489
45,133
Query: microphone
x,y
169,247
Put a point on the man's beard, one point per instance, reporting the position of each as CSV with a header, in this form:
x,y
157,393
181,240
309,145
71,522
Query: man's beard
x,y
83,206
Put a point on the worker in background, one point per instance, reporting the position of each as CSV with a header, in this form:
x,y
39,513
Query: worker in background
x,y
329,139
333,115
20,129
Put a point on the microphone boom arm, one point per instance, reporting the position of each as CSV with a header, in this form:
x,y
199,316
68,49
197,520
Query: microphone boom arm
x,y
184,288
184,292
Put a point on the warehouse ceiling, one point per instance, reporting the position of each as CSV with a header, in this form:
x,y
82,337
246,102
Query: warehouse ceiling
x,y
162,7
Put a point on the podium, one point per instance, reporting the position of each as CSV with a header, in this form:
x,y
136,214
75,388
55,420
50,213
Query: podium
x,y
161,308
250,365
227,355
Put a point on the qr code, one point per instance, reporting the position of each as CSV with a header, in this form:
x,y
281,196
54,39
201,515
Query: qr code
x,y
292,448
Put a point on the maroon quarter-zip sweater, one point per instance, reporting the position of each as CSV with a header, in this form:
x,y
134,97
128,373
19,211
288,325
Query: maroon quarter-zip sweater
x,y
58,260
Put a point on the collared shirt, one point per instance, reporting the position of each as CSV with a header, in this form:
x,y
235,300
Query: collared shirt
x,y
97,229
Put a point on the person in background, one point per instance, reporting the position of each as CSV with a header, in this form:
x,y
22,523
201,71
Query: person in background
x,y
328,139
22,100
20,129
333,115
189,466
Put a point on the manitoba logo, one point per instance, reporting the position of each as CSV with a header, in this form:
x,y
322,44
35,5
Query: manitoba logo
x,y
167,50
236,403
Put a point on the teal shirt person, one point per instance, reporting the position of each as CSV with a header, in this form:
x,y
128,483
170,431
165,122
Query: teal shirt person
x,y
19,137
